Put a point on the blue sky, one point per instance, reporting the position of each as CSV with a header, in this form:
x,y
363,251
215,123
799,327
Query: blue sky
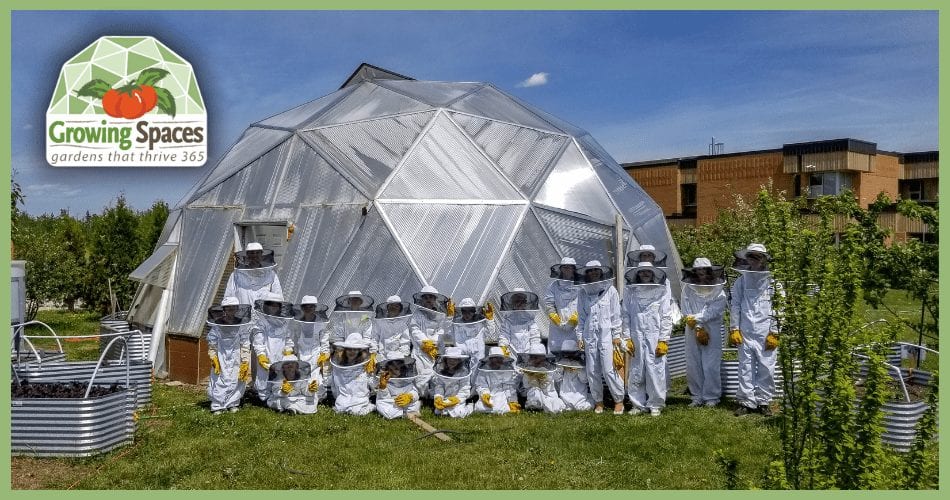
x,y
647,85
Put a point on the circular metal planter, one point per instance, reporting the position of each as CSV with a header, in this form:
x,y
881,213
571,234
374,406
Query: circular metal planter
x,y
729,373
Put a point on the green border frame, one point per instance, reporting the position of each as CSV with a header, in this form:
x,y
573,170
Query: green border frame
x,y
186,5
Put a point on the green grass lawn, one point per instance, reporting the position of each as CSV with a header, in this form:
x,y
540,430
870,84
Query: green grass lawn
x,y
180,445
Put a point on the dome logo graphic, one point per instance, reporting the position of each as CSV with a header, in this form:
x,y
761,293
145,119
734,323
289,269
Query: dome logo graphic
x,y
126,101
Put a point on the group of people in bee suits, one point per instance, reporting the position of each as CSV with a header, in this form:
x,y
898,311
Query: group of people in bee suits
x,y
469,358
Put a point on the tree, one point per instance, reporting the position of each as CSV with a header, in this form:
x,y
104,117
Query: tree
x,y
114,251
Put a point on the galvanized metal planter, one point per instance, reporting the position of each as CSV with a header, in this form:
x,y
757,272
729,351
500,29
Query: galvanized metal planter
x,y
901,416
139,373
76,427
676,357
26,352
71,427
114,324
729,373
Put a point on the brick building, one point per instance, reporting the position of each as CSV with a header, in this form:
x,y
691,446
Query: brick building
x,y
694,189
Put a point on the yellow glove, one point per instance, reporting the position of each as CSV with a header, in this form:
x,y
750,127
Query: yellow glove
x,y
486,400
323,359
430,349
618,360
628,343
555,318
771,341
439,403
505,350
403,400
288,352
263,361
735,337
489,311
702,336
215,362
514,407
616,343
244,372
450,308
452,401
313,386
286,387
691,321
573,319
661,348
384,380
371,364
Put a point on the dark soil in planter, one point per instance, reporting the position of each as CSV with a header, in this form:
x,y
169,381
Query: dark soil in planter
x,y
72,390
917,392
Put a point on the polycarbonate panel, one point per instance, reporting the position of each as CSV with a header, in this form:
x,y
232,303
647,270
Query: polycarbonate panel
x,y
253,144
308,112
207,240
157,267
264,175
572,185
456,247
447,165
523,154
321,235
367,100
307,179
563,126
528,263
435,94
492,103
581,239
368,151
169,234
372,264
634,203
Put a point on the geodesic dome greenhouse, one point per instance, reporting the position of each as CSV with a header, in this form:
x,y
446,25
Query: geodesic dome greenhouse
x,y
389,184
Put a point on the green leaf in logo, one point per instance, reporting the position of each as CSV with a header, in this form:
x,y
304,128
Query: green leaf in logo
x,y
150,76
166,102
95,89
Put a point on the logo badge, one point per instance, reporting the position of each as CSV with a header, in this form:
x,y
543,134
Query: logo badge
x,y
126,101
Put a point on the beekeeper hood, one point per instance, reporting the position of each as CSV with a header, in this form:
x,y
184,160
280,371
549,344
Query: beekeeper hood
x,y
646,253
595,278
752,259
704,279
519,306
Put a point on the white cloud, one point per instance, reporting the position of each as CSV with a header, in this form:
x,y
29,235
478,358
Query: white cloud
x,y
56,190
535,80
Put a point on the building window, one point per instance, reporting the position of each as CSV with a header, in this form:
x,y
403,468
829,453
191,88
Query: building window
x,y
915,189
688,197
828,183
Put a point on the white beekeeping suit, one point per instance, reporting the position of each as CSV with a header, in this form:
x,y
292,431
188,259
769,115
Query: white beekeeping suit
x,y
470,327
269,336
571,378
392,329
291,387
649,253
648,324
538,373
308,341
704,302
601,327
429,323
397,393
754,330
496,384
519,329
452,384
351,383
354,314
254,275
560,304
229,347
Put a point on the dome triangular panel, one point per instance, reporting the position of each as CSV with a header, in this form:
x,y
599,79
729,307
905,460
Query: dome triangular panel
x,y
447,165
367,100
572,185
436,94
523,154
368,151
440,237
491,103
